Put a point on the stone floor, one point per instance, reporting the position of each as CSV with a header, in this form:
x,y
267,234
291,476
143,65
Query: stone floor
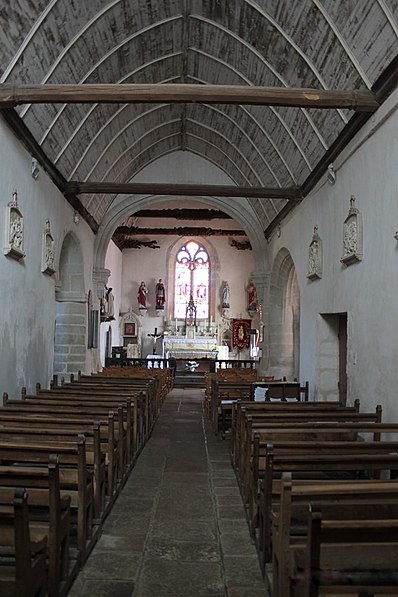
x,y
178,528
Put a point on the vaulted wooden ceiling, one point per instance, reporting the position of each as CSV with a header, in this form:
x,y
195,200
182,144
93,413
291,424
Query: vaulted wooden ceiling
x,y
316,44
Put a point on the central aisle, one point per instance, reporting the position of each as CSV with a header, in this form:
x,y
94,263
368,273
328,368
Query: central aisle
x,y
178,527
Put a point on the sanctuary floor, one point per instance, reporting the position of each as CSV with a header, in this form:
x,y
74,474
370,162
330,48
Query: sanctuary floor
x,y
178,528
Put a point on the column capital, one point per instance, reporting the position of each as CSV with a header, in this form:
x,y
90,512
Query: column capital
x,y
100,280
260,280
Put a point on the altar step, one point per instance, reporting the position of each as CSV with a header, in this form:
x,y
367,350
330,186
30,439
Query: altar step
x,y
185,379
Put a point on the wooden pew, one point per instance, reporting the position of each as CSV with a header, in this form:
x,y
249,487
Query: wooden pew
x,y
101,431
139,414
23,567
347,556
76,480
59,437
121,434
243,410
310,466
49,514
268,420
289,516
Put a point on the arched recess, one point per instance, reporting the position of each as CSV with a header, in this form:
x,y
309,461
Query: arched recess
x,y
214,266
284,317
71,311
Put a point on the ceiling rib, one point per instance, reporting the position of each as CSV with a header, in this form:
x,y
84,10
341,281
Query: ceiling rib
x,y
389,16
343,43
94,106
105,56
297,48
277,75
27,41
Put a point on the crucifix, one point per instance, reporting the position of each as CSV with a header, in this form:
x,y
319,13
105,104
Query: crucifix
x,y
155,337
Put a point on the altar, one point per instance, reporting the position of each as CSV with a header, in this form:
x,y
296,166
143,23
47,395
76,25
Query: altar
x,y
203,347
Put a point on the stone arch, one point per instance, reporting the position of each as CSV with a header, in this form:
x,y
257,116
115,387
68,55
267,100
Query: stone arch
x,y
284,317
214,270
71,310
191,169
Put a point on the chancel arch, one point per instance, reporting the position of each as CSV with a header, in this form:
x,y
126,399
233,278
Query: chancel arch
x,y
71,310
284,317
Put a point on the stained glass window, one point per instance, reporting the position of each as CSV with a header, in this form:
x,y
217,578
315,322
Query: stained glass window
x,y
192,278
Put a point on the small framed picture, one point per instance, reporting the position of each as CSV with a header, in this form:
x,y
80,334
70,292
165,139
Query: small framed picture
x,y
129,329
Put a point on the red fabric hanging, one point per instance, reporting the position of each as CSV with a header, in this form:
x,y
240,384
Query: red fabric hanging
x,y
240,333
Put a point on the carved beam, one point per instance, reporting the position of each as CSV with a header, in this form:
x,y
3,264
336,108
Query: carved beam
x,y
200,190
125,231
183,214
14,95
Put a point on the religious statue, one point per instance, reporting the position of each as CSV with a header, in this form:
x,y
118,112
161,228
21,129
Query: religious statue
x,y
141,296
225,296
251,297
160,293
110,305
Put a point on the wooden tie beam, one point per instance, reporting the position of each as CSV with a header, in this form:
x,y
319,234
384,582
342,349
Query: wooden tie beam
x,y
77,188
15,95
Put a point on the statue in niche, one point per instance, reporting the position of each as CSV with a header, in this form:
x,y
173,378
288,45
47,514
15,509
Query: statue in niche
x,y
48,257
315,256
352,239
14,230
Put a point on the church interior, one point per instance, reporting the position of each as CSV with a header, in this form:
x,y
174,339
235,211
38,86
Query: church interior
x,y
197,185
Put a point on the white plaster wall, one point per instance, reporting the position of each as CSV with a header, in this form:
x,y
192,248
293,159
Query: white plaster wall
x,y
367,290
27,296
151,264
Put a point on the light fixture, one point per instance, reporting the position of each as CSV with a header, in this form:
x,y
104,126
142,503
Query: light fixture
x,y
278,231
76,217
331,174
35,169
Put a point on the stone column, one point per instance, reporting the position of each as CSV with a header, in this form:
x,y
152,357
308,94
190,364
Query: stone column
x,y
100,280
261,281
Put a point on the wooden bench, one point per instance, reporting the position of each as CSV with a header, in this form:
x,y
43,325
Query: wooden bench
x,y
76,480
23,566
120,432
323,437
49,514
264,422
242,410
347,556
59,437
139,414
289,516
332,466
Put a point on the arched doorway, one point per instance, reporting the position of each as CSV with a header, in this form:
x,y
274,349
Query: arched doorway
x,y
284,317
71,311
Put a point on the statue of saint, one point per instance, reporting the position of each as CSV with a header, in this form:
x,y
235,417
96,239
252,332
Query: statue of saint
x,y
141,295
251,297
160,293
225,296
110,305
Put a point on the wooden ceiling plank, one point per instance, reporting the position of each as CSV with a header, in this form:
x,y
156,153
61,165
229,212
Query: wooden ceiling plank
x,y
200,190
358,100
